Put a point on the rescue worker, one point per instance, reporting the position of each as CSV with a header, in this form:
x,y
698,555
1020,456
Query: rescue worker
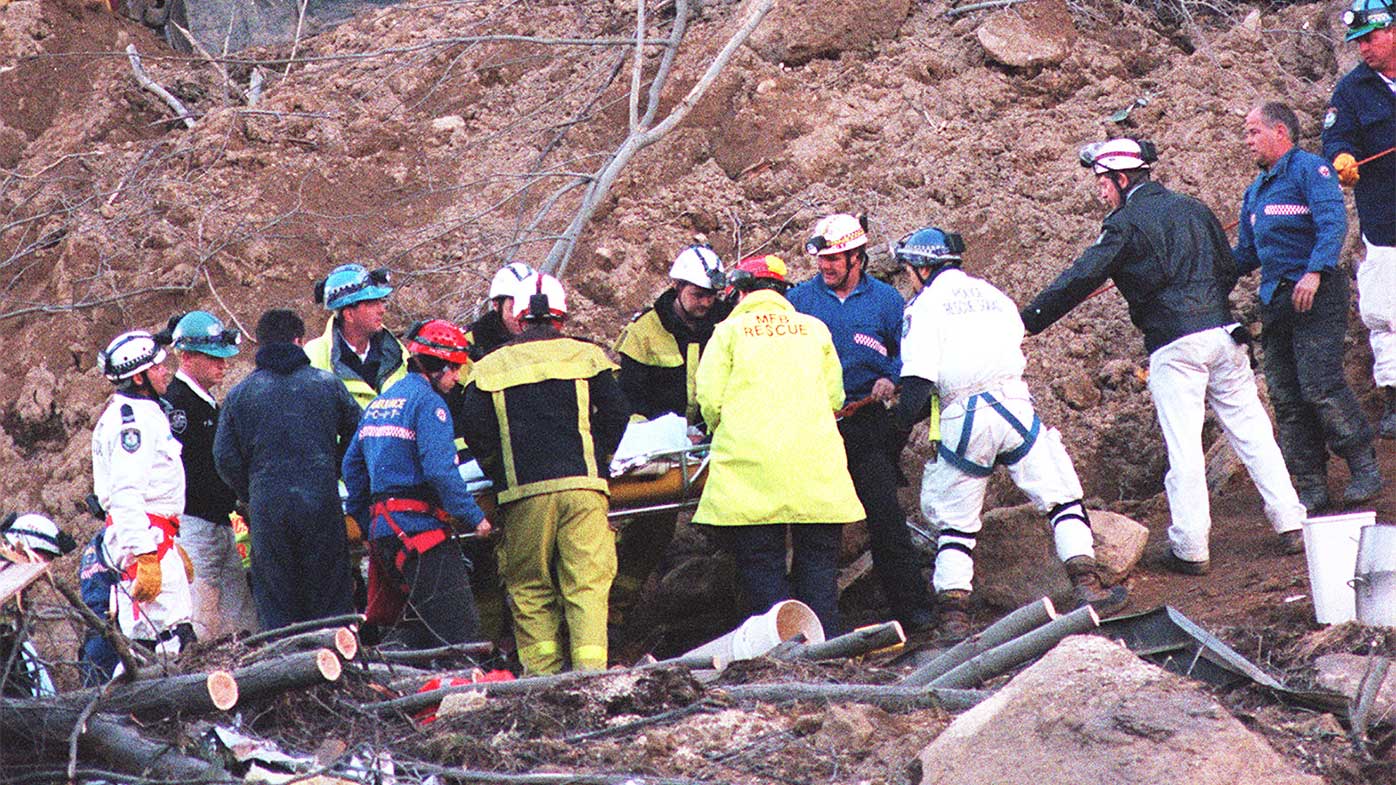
x,y
277,447
767,387
1292,227
659,352
400,470
23,673
864,316
962,366
543,415
1169,257
355,346
138,479
499,326
1361,123
97,658
221,594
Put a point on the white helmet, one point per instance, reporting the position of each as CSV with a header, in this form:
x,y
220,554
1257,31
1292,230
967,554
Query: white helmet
x,y
1118,155
508,277
130,353
539,297
836,233
39,534
700,266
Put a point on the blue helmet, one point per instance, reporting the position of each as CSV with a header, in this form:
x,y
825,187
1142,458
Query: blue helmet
x,y
352,283
202,332
929,247
1366,16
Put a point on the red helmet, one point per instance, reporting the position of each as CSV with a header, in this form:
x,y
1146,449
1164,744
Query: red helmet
x,y
438,338
760,267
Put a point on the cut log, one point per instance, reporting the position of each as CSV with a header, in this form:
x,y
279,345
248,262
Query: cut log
x,y
191,693
289,672
342,640
853,644
889,697
1020,622
41,728
351,620
1007,656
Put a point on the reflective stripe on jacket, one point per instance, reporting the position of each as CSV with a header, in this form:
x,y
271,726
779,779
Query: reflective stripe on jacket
x,y
768,386
324,354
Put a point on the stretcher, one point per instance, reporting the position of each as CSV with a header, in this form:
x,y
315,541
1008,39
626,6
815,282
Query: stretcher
x,y
665,480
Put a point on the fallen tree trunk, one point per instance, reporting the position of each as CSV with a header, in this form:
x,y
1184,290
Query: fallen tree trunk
x,y
190,693
292,671
1007,656
37,726
342,640
889,697
1018,623
476,649
853,644
352,620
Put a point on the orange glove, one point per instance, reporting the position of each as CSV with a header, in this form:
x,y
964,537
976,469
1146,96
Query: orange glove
x,y
351,528
146,586
1347,169
188,563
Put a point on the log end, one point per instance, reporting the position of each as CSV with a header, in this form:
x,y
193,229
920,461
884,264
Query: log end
x,y
222,690
329,665
1051,609
346,643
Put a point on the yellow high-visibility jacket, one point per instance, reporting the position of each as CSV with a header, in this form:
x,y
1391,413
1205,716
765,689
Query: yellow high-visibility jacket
x,y
768,385
324,354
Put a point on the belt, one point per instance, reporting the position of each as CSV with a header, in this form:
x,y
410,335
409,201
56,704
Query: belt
x,y
168,526
412,544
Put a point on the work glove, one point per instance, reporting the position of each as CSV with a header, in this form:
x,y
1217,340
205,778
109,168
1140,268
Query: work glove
x,y
146,586
352,529
188,562
1347,169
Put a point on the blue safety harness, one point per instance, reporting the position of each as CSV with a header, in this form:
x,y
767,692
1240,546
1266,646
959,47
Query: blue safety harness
x,y
956,457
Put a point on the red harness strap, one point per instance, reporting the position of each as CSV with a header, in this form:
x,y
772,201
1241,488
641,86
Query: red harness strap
x,y
168,526
420,542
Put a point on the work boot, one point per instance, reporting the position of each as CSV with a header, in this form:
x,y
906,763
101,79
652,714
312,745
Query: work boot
x,y
1366,476
1088,589
1184,567
1292,542
1313,493
952,607
1387,426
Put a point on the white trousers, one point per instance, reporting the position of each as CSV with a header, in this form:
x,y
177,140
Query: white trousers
x,y
172,606
222,598
952,500
1209,368
1376,302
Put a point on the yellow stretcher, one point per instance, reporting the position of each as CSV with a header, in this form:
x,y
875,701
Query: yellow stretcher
x,y
670,480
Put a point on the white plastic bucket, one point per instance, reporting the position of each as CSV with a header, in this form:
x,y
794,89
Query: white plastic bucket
x,y
759,634
1330,543
1375,583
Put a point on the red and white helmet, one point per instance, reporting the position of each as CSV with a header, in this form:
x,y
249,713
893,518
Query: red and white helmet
x,y
700,266
1118,155
539,297
438,338
836,233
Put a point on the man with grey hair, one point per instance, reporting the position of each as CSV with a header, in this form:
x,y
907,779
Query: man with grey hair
x,y
1292,227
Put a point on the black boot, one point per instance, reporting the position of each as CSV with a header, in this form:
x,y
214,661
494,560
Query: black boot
x,y
1313,492
1387,426
1366,476
952,610
1088,589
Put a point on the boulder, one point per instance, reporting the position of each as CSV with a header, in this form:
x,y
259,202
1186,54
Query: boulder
x,y
1343,673
1090,711
797,31
1016,560
1032,34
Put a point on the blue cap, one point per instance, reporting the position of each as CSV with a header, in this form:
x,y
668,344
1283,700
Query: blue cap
x,y
202,332
352,283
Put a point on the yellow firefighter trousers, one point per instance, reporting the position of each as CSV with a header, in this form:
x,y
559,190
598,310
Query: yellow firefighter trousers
x,y
562,532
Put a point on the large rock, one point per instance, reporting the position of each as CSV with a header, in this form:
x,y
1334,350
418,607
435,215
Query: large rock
x,y
1016,562
1343,673
797,31
1090,711
1035,33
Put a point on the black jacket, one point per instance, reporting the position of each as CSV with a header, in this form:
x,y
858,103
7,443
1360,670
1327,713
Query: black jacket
x,y
487,334
556,401
194,421
278,437
1169,257
655,373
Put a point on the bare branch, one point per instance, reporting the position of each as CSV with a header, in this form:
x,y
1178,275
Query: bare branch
x,y
150,84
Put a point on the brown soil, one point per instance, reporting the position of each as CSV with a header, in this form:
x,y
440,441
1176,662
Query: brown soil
x,y
388,144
